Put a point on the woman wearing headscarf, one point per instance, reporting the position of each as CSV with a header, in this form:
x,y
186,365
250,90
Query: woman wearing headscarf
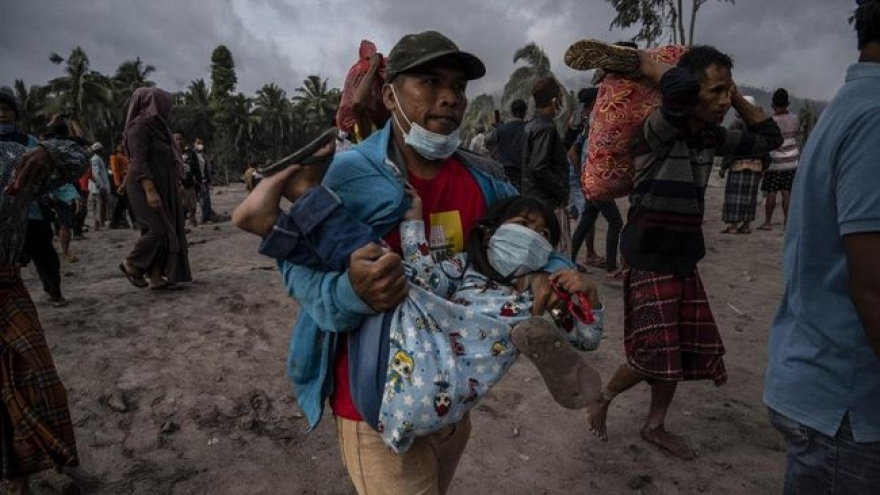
x,y
151,185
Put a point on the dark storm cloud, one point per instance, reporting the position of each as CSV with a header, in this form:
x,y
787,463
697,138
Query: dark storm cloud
x,y
802,44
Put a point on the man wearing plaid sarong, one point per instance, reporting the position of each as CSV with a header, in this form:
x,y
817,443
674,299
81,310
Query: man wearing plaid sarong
x,y
669,331
36,432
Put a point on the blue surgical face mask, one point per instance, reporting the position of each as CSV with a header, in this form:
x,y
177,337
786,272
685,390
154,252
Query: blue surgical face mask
x,y
7,128
430,145
515,250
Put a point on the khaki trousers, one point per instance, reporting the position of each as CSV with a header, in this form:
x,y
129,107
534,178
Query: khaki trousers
x,y
427,468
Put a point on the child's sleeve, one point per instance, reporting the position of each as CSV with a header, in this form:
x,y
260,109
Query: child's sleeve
x,y
588,336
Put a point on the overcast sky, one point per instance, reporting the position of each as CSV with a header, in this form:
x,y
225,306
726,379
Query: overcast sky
x,y
803,45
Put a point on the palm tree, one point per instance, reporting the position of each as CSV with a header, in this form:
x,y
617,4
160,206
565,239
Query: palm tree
x,y
231,149
193,112
319,102
31,106
479,112
130,75
85,93
273,114
520,83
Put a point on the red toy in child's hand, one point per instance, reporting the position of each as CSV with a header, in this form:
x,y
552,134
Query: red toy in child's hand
x,y
577,304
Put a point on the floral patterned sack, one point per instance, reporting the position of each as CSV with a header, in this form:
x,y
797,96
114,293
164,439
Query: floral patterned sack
x,y
621,107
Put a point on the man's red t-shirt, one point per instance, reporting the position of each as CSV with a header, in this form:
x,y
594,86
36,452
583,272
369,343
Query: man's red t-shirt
x,y
452,202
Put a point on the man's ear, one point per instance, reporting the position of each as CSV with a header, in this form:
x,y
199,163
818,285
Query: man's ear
x,y
388,97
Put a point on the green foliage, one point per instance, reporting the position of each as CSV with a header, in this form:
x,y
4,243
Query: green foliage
x,y
223,78
316,103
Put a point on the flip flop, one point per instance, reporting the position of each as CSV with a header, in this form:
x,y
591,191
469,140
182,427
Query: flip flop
x,y
133,278
765,227
729,230
745,230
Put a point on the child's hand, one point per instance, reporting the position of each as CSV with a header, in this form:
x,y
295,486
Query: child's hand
x,y
575,281
415,209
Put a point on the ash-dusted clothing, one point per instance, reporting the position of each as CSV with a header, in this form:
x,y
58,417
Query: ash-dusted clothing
x,y
786,156
544,163
740,196
743,179
463,317
778,180
368,180
35,428
69,161
669,332
664,231
821,368
99,180
118,168
163,240
509,140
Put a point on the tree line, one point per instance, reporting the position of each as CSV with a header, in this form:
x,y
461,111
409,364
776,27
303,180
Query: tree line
x,y
240,129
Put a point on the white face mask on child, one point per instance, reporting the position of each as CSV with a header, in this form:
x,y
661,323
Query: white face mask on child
x,y
515,250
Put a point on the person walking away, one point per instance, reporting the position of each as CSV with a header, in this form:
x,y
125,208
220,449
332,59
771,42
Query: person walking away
x,y
783,161
822,385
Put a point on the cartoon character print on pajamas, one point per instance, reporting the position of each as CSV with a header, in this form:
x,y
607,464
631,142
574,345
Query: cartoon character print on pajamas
x,y
400,370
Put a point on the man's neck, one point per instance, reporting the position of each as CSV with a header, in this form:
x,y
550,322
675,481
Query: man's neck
x,y
414,162
870,53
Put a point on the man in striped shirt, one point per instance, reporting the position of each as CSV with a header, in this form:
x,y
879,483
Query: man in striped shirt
x,y
669,331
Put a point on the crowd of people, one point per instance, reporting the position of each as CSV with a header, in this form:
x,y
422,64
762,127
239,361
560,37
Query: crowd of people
x,y
424,269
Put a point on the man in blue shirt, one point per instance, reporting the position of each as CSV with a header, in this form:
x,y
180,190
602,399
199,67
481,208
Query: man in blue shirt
x,y
823,379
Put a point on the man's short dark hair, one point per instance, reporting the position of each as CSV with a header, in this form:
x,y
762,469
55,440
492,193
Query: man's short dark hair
x,y
178,131
518,108
780,98
867,21
699,58
544,90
